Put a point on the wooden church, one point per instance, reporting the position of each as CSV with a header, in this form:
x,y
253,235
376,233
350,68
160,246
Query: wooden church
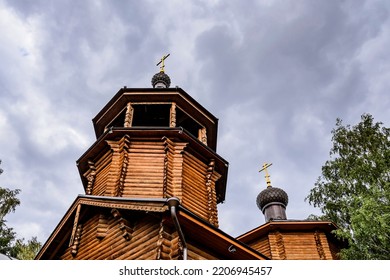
x,y
152,183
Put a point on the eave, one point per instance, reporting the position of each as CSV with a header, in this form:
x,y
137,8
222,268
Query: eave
x,y
286,225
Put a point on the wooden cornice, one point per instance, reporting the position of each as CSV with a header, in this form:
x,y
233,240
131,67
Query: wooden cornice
x,y
286,225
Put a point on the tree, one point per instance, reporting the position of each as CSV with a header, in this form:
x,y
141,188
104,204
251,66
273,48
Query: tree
x,y
9,245
26,250
354,188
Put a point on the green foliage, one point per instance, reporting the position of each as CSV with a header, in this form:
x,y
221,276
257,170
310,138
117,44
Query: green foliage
x,y
26,250
8,203
354,190
9,245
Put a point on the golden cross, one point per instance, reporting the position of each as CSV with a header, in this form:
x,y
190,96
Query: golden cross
x,y
265,166
162,62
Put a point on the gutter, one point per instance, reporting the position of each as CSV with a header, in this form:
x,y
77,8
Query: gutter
x,y
173,203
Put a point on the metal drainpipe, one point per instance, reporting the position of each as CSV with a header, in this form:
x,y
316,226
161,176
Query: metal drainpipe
x,y
173,203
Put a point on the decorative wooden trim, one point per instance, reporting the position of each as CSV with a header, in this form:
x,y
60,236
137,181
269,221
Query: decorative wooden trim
x,y
320,248
125,145
172,117
76,243
75,224
128,205
129,115
90,177
76,232
211,200
203,135
124,225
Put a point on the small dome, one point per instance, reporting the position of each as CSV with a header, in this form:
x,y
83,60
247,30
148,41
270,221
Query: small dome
x,y
271,195
161,80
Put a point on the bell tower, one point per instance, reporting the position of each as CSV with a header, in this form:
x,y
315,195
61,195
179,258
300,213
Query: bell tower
x,y
156,143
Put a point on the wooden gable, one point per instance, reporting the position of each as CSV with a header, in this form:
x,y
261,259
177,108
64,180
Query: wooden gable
x,y
294,240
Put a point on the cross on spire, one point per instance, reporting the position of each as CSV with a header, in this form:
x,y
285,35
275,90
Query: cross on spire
x,y
162,62
267,179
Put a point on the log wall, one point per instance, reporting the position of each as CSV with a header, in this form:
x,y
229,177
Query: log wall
x,y
139,243
145,171
196,253
155,169
262,245
199,188
295,246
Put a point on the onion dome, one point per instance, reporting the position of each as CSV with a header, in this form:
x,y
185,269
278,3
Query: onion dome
x,y
161,80
272,201
271,196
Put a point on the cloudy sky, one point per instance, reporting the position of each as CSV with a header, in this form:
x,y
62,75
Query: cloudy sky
x,y
276,74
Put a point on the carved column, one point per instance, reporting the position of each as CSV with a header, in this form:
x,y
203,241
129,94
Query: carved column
x,y
129,115
202,135
172,118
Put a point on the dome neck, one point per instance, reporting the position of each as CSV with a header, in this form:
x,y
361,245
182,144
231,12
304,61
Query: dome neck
x,y
274,211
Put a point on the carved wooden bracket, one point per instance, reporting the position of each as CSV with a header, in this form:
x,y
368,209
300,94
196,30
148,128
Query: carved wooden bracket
x,y
75,224
211,197
76,243
172,117
90,177
76,232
